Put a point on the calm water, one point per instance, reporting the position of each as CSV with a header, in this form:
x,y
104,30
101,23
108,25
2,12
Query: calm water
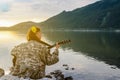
x,y
95,56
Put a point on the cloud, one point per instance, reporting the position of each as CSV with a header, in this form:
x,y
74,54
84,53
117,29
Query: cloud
x,y
4,7
37,10
22,1
52,7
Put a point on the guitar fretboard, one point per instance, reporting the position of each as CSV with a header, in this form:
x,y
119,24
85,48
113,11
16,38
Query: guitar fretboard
x,y
60,43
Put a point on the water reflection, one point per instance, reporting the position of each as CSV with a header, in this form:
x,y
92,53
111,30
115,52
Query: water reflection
x,y
5,35
104,46
101,46
8,40
9,36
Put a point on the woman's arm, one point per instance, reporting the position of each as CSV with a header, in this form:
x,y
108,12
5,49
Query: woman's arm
x,y
49,58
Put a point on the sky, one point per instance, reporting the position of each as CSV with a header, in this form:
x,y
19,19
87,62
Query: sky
x,y
16,11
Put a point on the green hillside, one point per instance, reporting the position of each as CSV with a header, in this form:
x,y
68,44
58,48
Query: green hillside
x,y
103,14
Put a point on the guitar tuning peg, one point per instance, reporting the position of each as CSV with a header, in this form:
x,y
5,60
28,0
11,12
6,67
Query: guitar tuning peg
x,y
69,40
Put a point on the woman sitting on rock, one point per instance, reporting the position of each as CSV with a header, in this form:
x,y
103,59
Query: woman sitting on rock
x,y
30,58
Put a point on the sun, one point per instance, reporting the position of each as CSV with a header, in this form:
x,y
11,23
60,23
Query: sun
x,y
4,23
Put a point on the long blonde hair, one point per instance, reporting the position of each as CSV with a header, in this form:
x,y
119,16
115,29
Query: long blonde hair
x,y
31,34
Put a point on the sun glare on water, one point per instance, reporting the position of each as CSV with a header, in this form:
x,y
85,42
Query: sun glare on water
x,y
6,35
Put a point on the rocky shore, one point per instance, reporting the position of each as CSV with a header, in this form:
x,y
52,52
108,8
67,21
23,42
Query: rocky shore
x,y
54,75
1,72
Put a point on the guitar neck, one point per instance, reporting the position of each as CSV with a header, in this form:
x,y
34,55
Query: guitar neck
x,y
45,43
53,46
59,43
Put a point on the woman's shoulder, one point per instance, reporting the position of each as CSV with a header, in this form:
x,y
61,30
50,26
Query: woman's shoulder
x,y
34,43
29,45
26,46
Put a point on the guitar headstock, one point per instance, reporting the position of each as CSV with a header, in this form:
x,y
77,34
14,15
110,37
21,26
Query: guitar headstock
x,y
64,42
61,42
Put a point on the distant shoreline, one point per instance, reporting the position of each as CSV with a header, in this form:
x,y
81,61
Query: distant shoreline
x,y
69,30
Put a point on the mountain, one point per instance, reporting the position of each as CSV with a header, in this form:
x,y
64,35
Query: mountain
x,y
23,26
4,28
104,14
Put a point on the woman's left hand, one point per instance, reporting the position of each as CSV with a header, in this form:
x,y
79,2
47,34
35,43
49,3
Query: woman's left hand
x,y
57,45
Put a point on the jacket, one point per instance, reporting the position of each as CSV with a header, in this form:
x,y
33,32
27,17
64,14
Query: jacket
x,y
31,59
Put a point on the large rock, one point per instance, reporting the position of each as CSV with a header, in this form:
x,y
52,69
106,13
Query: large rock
x,y
10,77
1,72
55,75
